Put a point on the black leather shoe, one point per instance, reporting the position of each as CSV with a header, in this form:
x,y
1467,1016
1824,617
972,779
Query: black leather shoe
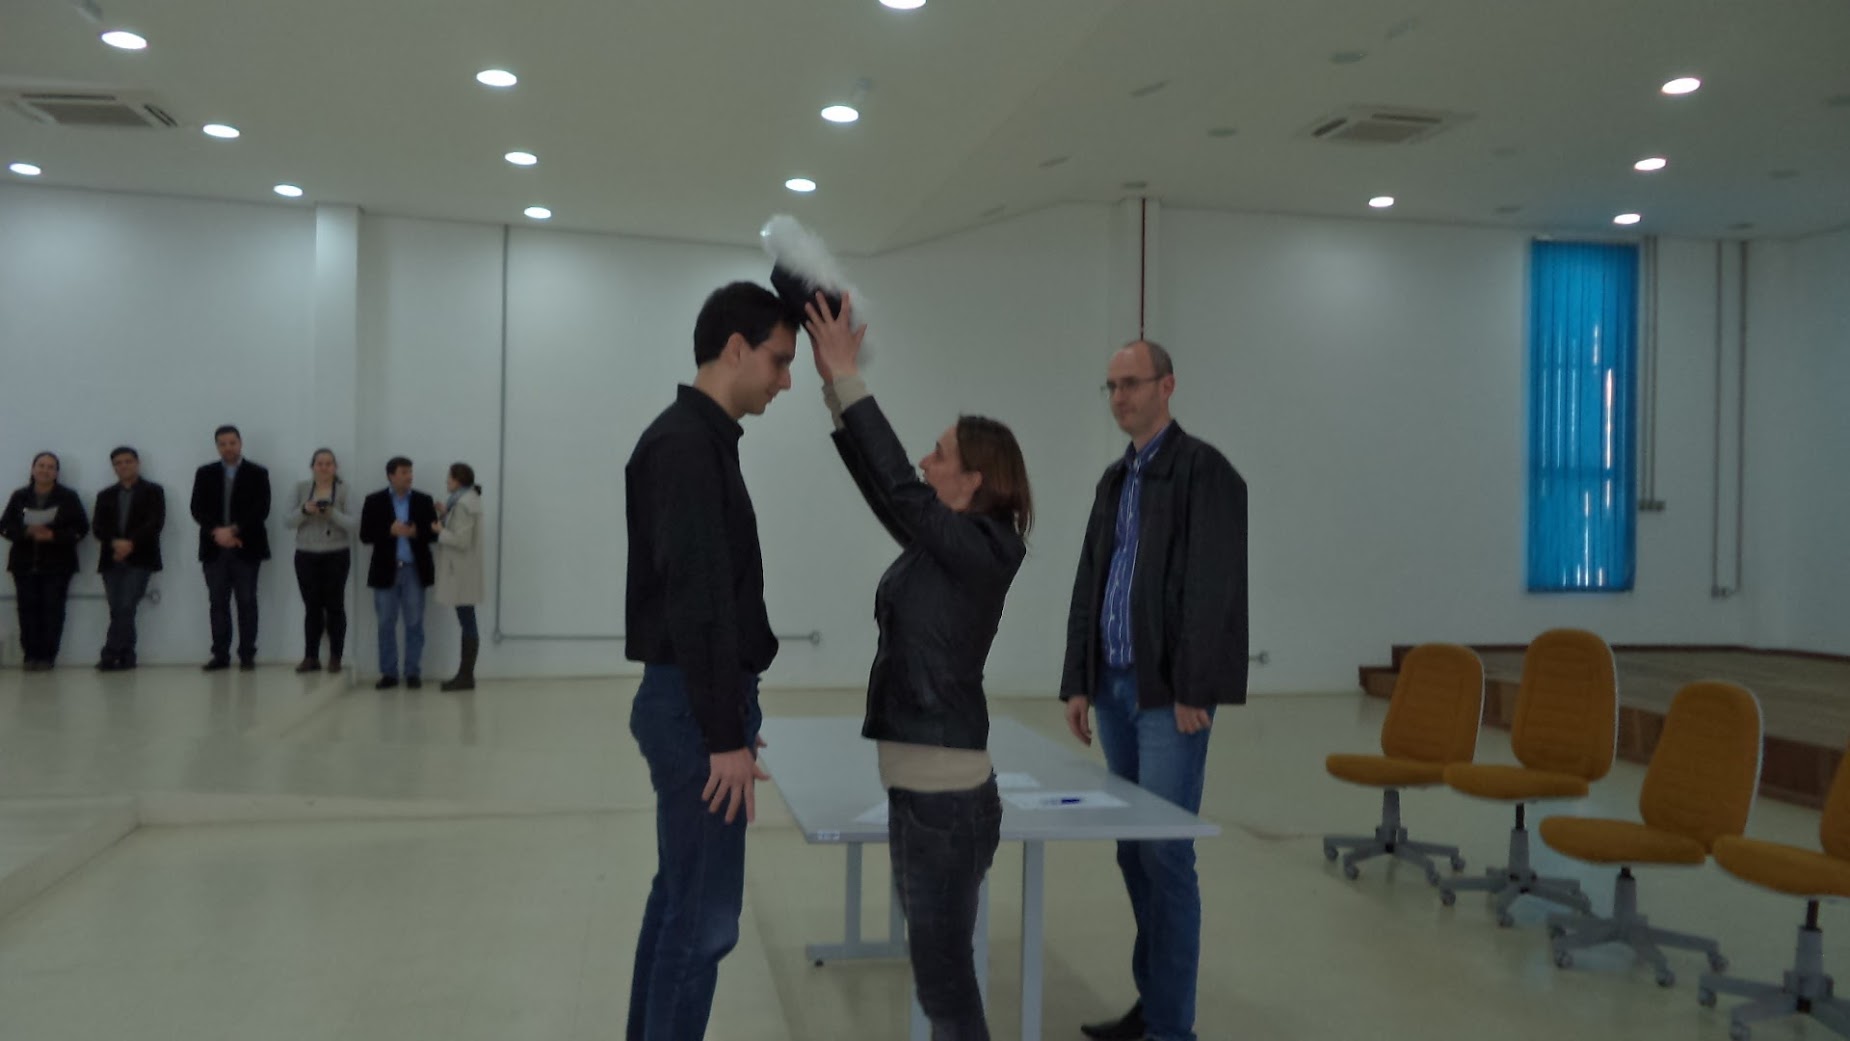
x,y
247,666
216,665
414,683
386,683
1128,1027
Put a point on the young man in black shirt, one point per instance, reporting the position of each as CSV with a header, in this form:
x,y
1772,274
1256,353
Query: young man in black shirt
x,y
697,622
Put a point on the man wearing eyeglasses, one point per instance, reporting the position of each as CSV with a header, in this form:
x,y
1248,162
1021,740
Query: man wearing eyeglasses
x,y
1155,639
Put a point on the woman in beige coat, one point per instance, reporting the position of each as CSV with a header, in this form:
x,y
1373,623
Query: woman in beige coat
x,y
459,565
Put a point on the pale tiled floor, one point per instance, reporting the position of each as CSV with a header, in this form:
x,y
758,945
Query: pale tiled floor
x,y
322,863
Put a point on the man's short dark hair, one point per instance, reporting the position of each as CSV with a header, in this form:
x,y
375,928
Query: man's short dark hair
x,y
124,450
395,464
746,308
226,429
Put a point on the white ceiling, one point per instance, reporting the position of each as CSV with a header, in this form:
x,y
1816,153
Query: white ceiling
x,y
682,118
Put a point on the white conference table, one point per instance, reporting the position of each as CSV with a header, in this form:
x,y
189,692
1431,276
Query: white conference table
x,y
828,775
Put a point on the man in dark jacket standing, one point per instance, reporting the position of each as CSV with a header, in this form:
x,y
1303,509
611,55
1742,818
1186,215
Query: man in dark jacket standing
x,y
1155,639
127,521
231,504
397,522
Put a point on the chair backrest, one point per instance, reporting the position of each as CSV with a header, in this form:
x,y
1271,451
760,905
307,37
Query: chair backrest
x,y
1834,828
1567,714
1437,705
1706,766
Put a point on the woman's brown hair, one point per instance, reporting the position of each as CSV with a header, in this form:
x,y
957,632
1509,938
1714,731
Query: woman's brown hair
x,y
989,448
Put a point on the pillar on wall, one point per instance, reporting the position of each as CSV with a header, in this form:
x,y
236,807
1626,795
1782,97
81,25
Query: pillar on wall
x,y
1132,271
337,335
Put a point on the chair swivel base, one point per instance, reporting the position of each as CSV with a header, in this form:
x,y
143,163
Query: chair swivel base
x,y
1806,990
1390,839
1507,884
1570,933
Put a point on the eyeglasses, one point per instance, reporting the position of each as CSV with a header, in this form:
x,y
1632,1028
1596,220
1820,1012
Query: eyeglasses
x,y
1113,386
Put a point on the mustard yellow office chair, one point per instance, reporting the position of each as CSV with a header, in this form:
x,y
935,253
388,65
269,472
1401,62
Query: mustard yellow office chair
x,y
1565,735
1432,721
1815,877
1699,788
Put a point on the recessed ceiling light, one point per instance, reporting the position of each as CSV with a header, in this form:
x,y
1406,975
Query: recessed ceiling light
x,y
221,131
841,114
1682,85
1223,131
1651,165
123,40
1381,202
903,5
288,191
800,184
25,169
1627,218
538,212
496,78
521,158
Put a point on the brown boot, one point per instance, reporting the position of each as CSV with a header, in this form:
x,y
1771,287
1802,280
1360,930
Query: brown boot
x,y
333,663
309,665
465,673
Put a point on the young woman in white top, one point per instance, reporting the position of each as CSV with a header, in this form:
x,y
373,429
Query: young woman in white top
x,y
323,556
459,564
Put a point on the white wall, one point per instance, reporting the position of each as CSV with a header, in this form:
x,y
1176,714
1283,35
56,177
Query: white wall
x,y
1365,376
1799,436
149,321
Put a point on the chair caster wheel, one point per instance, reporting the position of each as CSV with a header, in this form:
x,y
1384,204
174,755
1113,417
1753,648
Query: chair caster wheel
x,y
1555,932
1329,852
818,963
1351,872
1718,963
1432,878
1505,920
1706,998
1738,1032
1447,897
1563,960
1458,863
1666,978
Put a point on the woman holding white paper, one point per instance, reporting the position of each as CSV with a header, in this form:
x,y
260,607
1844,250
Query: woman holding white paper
x,y
962,531
45,521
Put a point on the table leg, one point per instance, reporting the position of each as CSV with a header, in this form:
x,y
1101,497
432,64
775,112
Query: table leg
x,y
853,947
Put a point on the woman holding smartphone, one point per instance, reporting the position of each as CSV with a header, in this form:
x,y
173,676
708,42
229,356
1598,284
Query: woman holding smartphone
x,y
323,556
962,534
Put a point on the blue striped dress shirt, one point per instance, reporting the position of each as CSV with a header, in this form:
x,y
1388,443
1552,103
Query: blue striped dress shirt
x,y
1115,618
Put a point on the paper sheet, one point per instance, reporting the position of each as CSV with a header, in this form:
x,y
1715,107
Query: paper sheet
x,y
44,516
1064,800
1015,782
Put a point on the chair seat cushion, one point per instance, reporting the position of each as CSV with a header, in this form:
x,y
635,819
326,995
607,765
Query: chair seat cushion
x,y
1602,841
1385,772
1786,869
1513,783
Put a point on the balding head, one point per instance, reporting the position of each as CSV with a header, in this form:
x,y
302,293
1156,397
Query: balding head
x,y
1139,381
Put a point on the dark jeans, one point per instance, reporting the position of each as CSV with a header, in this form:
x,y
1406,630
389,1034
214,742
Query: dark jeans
x,y
322,579
406,598
1144,746
465,617
942,844
124,586
692,917
230,575
41,614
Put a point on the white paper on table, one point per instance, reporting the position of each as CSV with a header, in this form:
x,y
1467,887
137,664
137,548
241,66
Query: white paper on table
x,y
1064,800
876,815
34,517
1013,782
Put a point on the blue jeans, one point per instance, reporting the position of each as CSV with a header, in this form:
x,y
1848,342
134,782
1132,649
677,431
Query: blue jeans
x,y
942,844
406,598
124,585
692,917
1146,748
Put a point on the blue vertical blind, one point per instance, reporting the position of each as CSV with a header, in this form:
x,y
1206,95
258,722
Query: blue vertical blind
x,y
1583,401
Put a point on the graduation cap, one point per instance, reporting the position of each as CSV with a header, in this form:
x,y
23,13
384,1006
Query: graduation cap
x,y
802,266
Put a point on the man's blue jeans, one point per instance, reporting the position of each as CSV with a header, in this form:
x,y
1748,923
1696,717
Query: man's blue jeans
x,y
406,597
692,918
1146,748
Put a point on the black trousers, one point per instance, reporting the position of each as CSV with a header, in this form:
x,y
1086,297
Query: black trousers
x,y
942,845
228,576
41,613
322,578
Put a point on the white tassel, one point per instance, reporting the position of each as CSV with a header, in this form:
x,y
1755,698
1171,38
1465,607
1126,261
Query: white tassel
x,y
803,253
